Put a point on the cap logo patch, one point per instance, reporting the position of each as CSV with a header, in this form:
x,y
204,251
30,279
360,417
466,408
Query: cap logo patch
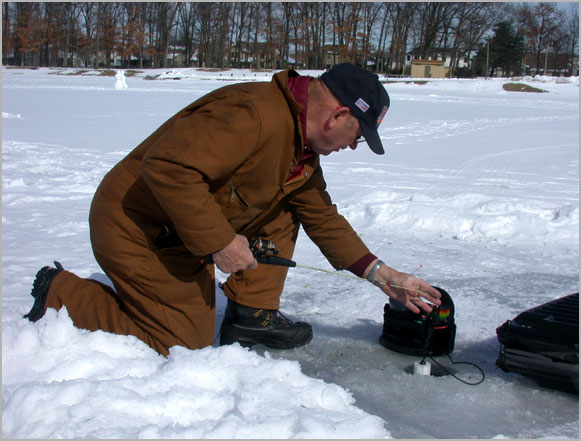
x,y
362,105
381,115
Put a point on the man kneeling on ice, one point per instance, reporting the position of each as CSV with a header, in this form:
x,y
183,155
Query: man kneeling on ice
x,y
238,164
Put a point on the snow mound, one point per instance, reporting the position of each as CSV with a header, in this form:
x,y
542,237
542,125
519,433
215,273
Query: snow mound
x,y
464,216
225,392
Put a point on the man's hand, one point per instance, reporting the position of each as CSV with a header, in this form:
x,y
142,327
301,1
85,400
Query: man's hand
x,y
236,256
406,289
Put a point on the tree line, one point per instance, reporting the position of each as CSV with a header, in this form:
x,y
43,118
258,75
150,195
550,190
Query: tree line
x,y
383,36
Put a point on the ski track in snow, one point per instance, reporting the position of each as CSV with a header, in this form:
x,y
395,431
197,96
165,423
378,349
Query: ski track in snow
x,y
478,186
441,128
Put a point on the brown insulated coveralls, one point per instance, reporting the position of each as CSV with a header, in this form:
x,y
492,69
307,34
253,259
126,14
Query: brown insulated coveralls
x,y
217,168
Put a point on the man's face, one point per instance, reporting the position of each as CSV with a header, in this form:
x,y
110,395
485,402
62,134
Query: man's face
x,y
343,133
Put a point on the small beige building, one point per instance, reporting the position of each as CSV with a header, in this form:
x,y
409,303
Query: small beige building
x,y
429,69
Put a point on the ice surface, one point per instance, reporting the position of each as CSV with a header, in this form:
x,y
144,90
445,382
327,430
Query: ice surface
x,y
478,186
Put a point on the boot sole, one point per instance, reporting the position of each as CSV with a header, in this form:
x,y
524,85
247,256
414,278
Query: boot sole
x,y
40,287
39,293
266,341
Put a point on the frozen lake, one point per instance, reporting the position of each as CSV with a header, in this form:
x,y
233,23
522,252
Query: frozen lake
x,y
479,186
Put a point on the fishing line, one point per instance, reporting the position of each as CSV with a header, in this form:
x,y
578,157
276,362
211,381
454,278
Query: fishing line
x,y
337,273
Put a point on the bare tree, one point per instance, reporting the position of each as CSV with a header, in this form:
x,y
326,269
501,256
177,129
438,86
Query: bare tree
x,y
164,14
108,30
222,32
71,13
354,49
132,32
257,35
88,13
369,16
286,26
240,18
314,24
268,33
186,16
571,30
433,22
254,29
28,33
380,54
296,24
539,24
346,38
340,11
402,18
473,21
7,32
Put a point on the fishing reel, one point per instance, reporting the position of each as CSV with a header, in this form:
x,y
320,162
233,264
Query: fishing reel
x,y
263,248
264,251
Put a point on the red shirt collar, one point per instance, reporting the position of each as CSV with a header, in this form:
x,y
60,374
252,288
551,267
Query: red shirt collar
x,y
299,87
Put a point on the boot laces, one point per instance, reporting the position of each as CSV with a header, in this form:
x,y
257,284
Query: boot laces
x,y
272,315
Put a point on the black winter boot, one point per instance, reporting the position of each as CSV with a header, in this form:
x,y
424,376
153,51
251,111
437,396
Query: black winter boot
x,y
40,287
250,326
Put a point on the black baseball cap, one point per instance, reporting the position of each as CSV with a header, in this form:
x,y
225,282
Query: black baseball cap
x,y
362,92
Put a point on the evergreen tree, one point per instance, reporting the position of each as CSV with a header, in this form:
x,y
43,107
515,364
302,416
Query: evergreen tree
x,y
506,51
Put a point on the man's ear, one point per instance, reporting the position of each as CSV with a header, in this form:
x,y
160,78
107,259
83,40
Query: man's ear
x,y
338,116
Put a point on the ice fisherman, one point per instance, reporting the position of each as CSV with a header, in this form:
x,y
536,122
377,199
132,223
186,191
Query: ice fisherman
x,y
240,163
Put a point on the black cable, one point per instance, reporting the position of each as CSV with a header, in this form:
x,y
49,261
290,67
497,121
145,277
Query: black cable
x,y
461,362
427,348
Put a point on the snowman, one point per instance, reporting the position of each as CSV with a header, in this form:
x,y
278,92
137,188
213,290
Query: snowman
x,y
120,83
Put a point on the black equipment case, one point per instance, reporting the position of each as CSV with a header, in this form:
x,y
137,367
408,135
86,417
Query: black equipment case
x,y
420,334
543,343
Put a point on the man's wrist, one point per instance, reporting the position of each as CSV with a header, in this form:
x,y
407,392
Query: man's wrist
x,y
371,275
362,266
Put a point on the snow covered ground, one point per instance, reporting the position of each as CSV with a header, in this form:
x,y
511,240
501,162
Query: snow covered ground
x,y
478,186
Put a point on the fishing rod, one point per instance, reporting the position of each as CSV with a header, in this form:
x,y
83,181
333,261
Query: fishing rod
x,y
265,252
